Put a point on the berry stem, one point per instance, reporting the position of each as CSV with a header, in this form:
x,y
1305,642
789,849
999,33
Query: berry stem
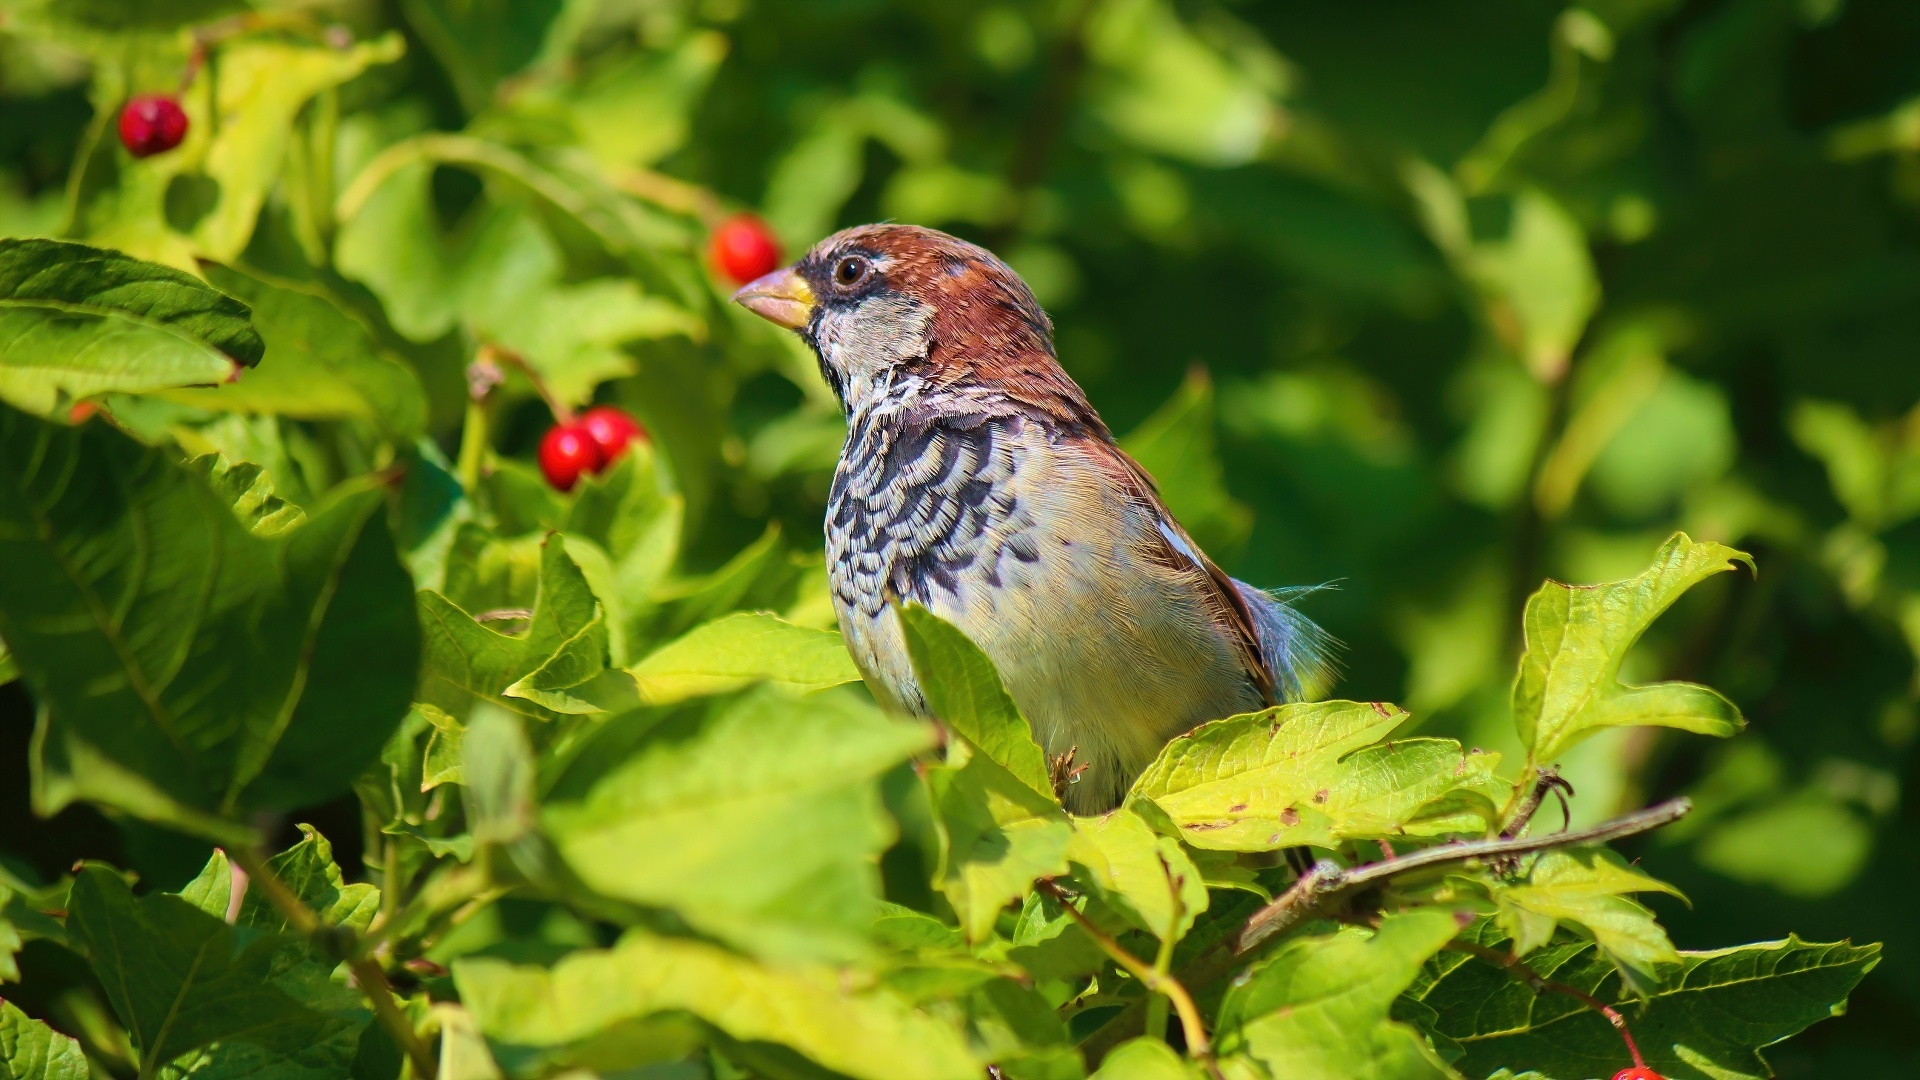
x,y
562,412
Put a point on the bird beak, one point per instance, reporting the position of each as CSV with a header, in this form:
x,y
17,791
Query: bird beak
x,y
781,298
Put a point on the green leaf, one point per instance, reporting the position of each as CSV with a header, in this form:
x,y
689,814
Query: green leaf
x,y
636,111
1148,877
1145,1059
964,690
563,648
1587,887
250,491
78,321
30,1050
1319,1006
1576,638
997,836
180,978
332,1041
1539,282
186,669
759,825
868,1035
1176,445
745,647
120,16
1313,774
1712,1015
320,364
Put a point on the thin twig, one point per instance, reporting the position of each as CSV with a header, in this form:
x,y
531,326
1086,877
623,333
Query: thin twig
x,y
1540,984
1199,1047
366,973
1330,882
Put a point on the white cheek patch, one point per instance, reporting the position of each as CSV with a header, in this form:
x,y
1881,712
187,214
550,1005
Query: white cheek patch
x,y
865,342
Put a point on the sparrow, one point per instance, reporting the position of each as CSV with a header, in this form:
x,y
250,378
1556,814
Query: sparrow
x,y
978,481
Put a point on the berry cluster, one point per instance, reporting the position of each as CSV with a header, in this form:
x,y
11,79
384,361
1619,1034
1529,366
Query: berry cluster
x,y
587,443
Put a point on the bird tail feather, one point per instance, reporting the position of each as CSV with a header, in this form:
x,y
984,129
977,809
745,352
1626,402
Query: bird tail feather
x,y
1299,655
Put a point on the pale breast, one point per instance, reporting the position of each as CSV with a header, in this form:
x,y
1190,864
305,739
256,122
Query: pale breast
x,y
997,525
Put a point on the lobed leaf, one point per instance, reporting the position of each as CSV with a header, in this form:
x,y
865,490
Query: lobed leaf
x,y
1317,774
529,1012
1576,638
180,978
1319,1007
563,648
1710,1018
1147,876
1587,888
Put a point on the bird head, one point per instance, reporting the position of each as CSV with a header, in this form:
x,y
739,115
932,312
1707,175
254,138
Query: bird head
x,y
879,301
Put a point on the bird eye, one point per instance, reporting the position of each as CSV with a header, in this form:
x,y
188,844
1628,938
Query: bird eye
x,y
849,271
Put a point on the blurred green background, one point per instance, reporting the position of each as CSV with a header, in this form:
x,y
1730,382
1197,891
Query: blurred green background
x,y
1428,300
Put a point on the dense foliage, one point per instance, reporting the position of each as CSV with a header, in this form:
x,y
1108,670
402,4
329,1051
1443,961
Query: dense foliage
x,y
340,742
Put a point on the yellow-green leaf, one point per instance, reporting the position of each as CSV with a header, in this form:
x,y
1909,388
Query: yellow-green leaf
x,y
1576,638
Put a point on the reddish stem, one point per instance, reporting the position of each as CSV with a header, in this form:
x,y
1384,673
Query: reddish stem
x,y
1540,984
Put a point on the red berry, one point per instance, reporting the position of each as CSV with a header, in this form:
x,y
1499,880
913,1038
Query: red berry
x,y
611,428
566,451
152,124
1638,1072
743,248
82,411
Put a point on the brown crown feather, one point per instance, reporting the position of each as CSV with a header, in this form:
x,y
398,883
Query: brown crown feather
x,y
987,331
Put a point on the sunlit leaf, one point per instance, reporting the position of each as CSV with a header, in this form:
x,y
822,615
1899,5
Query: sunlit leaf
x,y
867,1035
1588,889
741,648
30,1050
964,692
1144,874
1578,636
1318,1008
1311,774
759,825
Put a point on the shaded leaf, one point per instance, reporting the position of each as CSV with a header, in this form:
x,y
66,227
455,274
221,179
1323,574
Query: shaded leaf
x,y
247,487
1576,638
78,321
180,978
997,836
1313,774
320,364
186,668
563,647
1712,1015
